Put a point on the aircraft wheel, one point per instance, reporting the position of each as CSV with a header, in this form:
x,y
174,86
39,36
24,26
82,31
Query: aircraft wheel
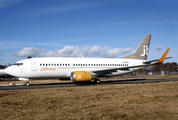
x,y
97,81
27,83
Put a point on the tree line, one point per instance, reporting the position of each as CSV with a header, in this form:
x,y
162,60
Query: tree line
x,y
156,69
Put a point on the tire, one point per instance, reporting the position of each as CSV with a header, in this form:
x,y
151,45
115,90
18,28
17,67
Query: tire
x,y
27,84
97,81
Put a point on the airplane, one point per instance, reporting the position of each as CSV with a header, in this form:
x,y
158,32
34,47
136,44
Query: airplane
x,y
2,73
83,69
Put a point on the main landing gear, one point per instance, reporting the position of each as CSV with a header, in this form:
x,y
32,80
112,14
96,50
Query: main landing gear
x,y
97,81
27,83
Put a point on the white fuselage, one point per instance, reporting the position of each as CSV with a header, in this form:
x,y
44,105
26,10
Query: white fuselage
x,y
56,67
2,73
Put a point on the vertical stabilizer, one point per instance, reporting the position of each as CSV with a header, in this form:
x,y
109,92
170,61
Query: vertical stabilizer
x,y
142,51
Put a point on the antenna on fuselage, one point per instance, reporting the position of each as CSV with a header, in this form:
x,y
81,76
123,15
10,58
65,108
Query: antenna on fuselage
x,y
29,57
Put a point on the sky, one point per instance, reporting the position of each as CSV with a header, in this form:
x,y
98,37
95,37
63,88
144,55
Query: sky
x,y
86,28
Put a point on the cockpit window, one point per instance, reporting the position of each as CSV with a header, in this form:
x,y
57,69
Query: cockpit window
x,y
18,64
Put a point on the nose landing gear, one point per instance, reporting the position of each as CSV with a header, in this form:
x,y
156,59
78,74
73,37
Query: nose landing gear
x,y
97,81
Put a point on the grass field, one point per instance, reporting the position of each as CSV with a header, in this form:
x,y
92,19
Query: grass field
x,y
130,101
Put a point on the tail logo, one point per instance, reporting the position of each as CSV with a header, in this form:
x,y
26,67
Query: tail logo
x,y
145,50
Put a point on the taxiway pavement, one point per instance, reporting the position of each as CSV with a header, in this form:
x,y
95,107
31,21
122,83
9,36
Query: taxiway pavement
x,y
60,85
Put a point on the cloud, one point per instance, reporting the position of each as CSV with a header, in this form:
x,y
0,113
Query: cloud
x,y
70,51
116,52
25,52
6,3
2,60
158,47
62,9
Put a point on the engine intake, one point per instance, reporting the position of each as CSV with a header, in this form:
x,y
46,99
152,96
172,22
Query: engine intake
x,y
81,76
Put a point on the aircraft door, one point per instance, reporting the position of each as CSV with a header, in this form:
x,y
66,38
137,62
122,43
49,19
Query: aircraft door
x,y
34,65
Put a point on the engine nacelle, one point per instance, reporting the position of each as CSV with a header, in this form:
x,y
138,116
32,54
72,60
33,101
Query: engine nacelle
x,y
81,76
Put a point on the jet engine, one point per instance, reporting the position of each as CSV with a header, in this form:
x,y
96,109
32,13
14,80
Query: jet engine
x,y
81,76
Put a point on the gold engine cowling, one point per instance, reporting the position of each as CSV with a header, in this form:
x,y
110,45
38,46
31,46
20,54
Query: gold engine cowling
x,y
81,76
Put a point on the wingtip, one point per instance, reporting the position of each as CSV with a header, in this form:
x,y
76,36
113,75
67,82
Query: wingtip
x,y
161,60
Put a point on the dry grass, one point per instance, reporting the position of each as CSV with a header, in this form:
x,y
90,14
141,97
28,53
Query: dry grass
x,y
137,101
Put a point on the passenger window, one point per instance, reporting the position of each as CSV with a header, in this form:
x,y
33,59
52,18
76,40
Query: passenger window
x,y
54,64
46,64
73,64
57,64
68,64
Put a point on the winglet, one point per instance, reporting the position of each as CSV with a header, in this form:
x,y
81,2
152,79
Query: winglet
x,y
163,57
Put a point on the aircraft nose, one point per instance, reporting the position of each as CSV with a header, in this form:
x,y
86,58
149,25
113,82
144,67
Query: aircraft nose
x,y
8,70
2,72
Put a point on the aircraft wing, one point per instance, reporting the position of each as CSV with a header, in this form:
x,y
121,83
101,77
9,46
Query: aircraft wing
x,y
145,64
109,71
149,61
